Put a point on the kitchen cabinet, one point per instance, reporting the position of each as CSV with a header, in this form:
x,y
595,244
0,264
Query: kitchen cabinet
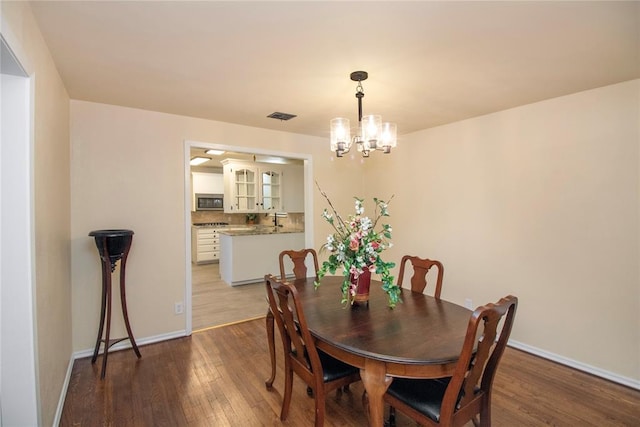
x,y
246,258
252,187
205,183
205,245
293,188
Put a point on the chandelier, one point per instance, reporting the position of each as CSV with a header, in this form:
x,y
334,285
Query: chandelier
x,y
371,133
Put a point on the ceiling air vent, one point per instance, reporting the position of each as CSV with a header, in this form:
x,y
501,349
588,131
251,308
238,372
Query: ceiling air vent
x,y
281,116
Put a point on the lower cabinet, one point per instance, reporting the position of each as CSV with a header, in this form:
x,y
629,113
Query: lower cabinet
x,y
247,258
205,245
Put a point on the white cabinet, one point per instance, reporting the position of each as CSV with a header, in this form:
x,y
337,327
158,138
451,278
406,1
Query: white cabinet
x,y
252,187
205,183
270,188
293,188
205,245
246,258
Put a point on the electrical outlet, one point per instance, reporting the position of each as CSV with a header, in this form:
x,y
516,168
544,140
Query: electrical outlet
x,y
178,308
468,303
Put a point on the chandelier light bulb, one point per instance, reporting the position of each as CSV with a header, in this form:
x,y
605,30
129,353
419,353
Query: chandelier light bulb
x,y
388,135
371,126
340,134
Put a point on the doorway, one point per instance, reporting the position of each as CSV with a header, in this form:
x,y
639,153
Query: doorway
x,y
18,382
205,291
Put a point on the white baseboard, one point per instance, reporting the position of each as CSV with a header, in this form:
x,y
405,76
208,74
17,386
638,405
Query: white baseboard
x,y
629,382
127,344
89,352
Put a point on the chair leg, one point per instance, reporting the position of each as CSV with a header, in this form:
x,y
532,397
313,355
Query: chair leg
x,y
320,408
272,348
392,417
485,418
365,403
288,386
485,412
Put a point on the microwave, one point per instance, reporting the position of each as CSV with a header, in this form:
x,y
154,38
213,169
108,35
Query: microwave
x,y
209,202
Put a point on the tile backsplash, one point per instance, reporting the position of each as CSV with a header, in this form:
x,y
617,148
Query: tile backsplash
x,y
293,220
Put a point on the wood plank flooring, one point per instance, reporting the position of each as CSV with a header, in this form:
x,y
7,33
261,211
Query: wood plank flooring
x,y
215,303
216,378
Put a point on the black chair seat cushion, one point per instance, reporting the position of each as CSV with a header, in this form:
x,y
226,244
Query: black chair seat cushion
x,y
424,396
333,368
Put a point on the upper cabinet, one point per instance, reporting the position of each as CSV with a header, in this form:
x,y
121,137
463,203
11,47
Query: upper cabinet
x,y
252,187
271,188
205,183
293,188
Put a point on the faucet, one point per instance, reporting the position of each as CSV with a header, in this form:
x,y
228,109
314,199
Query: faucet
x,y
275,220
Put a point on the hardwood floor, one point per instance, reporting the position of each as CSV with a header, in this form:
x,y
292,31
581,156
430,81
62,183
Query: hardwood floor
x,y
216,378
215,303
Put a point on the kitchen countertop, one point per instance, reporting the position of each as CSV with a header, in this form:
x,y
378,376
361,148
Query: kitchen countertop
x,y
260,230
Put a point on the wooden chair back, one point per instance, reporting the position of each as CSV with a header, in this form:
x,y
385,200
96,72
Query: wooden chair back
x,y
318,370
470,386
296,338
468,392
298,258
421,267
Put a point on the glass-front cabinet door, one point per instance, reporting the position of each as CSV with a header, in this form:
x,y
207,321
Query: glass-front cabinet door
x,y
244,189
271,188
252,187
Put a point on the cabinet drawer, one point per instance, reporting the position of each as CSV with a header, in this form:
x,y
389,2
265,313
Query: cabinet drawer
x,y
207,241
207,256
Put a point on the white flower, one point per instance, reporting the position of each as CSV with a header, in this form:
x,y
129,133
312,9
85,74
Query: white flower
x,y
365,223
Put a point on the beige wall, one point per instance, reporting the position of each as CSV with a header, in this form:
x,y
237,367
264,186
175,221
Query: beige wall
x,y
541,201
51,204
127,169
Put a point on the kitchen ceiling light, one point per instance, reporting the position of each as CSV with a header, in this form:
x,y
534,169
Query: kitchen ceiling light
x,y
215,152
195,161
371,134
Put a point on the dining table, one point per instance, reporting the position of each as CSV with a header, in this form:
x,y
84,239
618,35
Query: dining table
x,y
420,338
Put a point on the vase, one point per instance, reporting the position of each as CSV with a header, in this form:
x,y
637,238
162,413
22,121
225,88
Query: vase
x,y
362,284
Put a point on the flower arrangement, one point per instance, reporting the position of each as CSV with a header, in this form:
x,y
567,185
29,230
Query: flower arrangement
x,y
356,245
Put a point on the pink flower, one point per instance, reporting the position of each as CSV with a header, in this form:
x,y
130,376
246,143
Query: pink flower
x,y
354,243
353,270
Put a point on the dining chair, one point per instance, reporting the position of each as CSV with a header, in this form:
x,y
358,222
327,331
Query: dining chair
x,y
460,398
317,369
420,269
298,258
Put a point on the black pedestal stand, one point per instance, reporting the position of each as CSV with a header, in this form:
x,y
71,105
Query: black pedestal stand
x,y
112,246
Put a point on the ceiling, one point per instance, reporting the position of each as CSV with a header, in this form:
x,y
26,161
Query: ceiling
x,y
429,63
215,161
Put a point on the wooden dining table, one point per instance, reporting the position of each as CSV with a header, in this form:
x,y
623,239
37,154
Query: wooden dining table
x,y
420,338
